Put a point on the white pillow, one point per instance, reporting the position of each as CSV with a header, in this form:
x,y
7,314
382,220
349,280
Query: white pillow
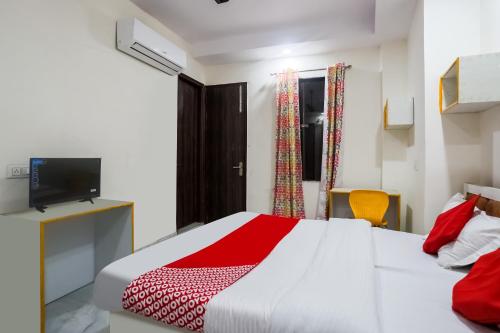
x,y
481,235
454,201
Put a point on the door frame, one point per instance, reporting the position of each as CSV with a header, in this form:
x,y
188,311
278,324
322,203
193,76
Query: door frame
x,y
203,193
202,170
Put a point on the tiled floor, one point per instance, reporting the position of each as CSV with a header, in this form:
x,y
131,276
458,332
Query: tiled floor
x,y
74,313
189,227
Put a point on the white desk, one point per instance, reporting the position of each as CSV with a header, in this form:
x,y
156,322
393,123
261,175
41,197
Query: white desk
x,y
45,256
338,205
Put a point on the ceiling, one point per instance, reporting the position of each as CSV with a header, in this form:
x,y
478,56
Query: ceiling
x,y
248,30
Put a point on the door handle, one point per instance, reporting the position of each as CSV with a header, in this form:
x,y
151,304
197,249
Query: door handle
x,y
240,167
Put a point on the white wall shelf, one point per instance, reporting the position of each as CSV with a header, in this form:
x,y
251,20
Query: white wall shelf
x,y
398,113
470,84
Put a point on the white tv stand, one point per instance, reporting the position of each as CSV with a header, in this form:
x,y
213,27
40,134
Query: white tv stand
x,y
45,256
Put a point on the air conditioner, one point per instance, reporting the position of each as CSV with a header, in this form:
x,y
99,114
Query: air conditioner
x,y
138,40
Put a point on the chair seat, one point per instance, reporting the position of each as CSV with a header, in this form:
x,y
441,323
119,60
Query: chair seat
x,y
369,205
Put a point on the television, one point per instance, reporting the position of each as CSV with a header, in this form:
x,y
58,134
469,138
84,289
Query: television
x,y
56,180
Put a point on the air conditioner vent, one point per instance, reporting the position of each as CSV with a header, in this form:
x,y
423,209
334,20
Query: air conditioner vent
x,y
153,56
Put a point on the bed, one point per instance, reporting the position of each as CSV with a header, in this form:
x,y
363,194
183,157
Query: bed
x,y
297,289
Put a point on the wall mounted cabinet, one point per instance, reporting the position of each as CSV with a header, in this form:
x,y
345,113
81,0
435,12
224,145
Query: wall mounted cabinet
x,y
471,84
398,113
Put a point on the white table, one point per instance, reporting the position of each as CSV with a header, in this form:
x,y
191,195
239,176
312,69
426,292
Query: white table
x,y
338,205
45,256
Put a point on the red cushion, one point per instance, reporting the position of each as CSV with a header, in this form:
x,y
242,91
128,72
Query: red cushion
x,y
449,225
477,296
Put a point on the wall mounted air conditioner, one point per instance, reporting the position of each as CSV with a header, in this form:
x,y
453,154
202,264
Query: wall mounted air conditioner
x,y
138,40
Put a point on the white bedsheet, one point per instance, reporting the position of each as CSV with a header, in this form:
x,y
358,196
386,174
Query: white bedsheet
x,y
320,278
111,282
413,294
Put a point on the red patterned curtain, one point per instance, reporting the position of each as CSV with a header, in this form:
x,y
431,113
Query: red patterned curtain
x,y
288,194
332,135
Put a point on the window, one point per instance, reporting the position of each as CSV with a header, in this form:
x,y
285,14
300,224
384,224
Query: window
x,y
311,99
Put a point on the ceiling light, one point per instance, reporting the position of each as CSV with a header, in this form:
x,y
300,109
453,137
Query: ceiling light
x,y
287,51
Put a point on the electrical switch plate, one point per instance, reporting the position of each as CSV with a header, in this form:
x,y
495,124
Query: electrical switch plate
x,y
18,171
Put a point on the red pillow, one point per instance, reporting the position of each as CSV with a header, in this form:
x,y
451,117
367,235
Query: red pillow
x,y
477,296
449,225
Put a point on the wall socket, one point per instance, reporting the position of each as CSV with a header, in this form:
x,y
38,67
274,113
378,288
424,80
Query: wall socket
x,y
18,171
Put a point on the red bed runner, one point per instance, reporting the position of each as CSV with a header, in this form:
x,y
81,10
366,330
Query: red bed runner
x,y
177,293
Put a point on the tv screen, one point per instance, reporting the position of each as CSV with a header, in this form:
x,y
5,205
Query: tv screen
x,y
55,180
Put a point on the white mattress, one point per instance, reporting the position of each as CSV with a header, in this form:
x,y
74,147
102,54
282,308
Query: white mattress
x,y
312,282
111,282
413,292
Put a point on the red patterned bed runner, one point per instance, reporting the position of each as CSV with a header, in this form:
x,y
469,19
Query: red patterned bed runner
x,y
177,293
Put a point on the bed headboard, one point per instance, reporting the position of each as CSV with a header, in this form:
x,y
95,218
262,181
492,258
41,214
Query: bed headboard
x,y
490,198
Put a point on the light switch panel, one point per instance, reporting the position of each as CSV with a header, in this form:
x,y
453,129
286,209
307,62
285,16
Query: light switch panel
x,y
18,171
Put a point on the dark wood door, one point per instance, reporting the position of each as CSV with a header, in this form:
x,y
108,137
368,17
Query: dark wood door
x,y
190,152
226,109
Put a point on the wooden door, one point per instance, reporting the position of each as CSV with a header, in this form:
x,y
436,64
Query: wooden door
x,y
226,108
190,152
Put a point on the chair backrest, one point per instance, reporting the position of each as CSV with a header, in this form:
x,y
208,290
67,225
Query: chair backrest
x,y
369,205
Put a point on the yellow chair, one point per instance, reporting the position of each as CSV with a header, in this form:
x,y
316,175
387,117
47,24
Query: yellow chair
x,y
369,205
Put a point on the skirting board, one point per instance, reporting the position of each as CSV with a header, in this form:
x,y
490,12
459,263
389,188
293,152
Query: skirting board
x,y
127,322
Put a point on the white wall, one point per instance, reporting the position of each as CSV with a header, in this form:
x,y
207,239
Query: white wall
x,y
490,26
490,147
397,165
451,149
362,159
496,156
416,140
490,120
67,92
452,142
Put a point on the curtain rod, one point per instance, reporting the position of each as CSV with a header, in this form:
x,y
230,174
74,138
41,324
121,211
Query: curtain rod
x,y
311,70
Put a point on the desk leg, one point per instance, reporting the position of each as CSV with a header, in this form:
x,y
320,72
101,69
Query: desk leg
x,y
330,205
398,225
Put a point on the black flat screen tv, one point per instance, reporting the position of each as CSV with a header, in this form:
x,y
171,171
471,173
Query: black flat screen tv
x,y
56,180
